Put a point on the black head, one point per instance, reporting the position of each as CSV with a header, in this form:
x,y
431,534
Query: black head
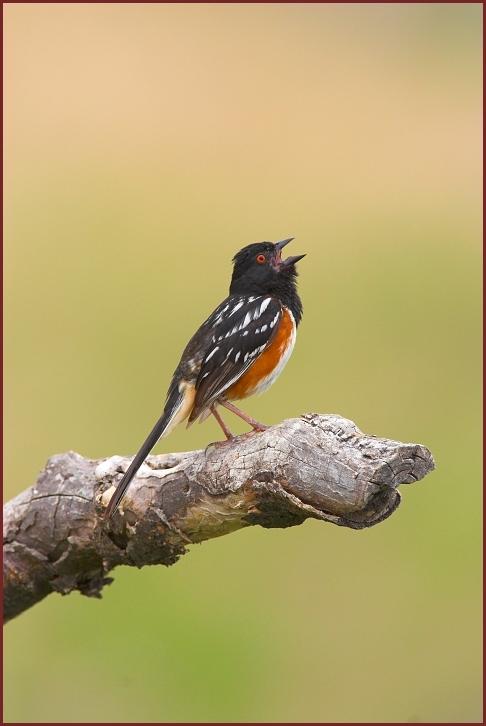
x,y
260,270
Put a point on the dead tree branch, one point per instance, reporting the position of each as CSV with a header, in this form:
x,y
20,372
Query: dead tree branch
x,y
314,466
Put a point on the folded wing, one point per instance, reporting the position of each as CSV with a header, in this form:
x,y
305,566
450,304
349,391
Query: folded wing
x,y
240,337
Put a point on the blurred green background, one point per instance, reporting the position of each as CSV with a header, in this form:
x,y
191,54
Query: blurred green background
x,y
144,144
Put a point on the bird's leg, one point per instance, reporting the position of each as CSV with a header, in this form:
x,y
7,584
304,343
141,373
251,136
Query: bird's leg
x,y
218,418
256,425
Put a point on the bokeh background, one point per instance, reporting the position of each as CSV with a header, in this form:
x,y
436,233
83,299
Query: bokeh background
x,y
144,144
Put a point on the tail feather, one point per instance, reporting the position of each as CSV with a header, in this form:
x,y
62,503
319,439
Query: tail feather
x,y
163,425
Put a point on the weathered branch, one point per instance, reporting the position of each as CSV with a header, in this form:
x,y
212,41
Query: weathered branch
x,y
314,466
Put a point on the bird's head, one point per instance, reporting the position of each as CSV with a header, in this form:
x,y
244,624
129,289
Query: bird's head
x,y
260,269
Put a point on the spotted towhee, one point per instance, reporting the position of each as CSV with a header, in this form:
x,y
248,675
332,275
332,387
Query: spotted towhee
x,y
238,351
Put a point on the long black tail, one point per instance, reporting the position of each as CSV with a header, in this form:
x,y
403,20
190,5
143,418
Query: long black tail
x,y
172,406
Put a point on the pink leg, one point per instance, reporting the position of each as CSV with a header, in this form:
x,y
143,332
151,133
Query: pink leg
x,y
218,418
256,425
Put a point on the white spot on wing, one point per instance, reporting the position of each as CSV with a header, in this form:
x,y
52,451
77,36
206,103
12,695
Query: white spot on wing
x,y
236,308
237,356
219,316
274,320
212,353
266,302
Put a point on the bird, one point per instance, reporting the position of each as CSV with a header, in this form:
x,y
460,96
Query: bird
x,y
238,351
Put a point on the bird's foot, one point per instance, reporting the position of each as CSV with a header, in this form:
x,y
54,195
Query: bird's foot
x,y
258,427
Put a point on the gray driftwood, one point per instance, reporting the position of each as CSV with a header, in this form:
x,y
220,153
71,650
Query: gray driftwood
x,y
315,466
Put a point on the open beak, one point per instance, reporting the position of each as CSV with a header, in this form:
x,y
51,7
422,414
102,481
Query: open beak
x,y
282,264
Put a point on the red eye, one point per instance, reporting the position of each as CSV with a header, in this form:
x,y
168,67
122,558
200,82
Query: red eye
x,y
261,259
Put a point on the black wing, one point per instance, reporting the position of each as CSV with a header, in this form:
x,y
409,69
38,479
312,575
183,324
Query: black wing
x,y
242,330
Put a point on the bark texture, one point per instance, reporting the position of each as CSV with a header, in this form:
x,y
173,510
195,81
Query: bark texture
x,y
319,466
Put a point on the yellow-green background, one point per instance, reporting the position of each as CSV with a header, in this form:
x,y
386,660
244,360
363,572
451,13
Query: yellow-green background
x,y
144,145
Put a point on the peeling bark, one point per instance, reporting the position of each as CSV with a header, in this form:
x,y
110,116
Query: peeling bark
x,y
315,466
